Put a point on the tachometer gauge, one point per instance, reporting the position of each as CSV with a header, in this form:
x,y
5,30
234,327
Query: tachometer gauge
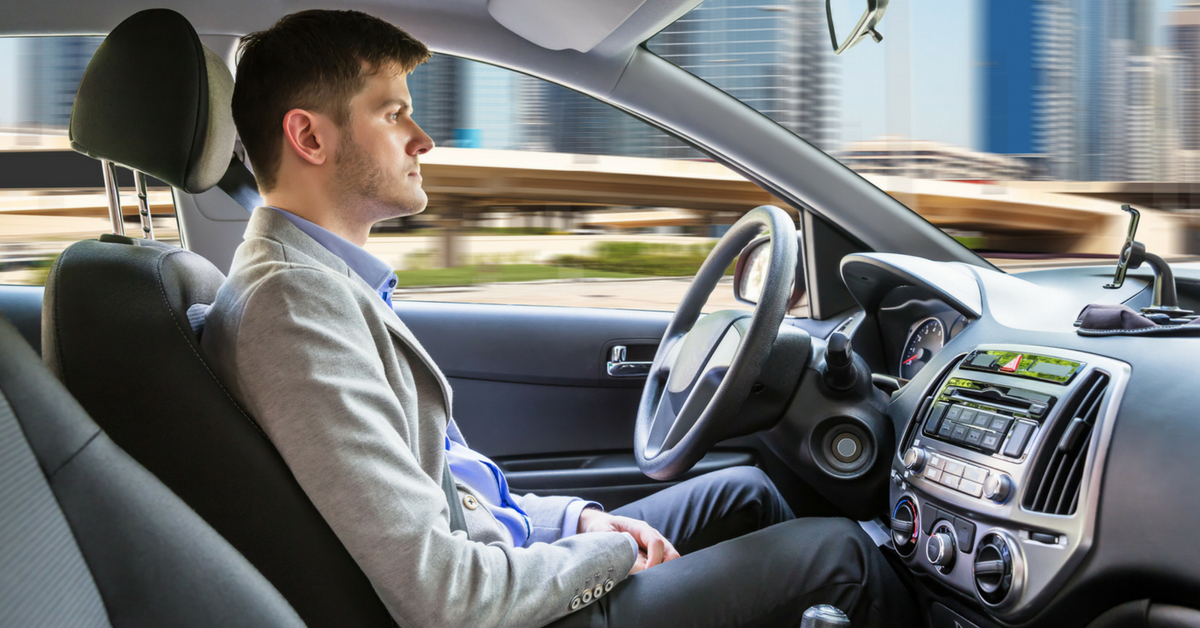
x,y
923,343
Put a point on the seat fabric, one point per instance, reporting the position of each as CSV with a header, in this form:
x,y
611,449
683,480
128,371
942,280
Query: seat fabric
x,y
115,330
90,538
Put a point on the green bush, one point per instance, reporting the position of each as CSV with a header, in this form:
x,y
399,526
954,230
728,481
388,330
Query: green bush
x,y
643,258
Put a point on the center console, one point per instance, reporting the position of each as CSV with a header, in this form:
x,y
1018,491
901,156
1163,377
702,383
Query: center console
x,y
996,480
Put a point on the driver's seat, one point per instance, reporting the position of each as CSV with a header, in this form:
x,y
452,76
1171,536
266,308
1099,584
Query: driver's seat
x,y
121,321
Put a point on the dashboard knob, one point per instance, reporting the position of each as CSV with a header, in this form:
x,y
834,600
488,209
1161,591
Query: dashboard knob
x,y
914,459
997,487
940,550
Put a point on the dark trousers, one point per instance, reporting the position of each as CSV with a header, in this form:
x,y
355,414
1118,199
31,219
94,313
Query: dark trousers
x,y
747,561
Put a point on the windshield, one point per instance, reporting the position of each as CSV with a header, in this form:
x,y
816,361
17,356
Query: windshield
x,y
1019,127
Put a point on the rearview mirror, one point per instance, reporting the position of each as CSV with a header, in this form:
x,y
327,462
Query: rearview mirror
x,y
863,29
750,273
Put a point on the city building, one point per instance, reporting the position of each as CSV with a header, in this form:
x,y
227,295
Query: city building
x,y
891,155
1080,83
1184,37
50,69
774,57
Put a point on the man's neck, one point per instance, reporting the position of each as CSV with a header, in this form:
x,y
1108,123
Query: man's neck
x,y
321,214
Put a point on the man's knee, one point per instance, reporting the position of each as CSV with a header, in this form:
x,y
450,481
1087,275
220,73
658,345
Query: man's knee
x,y
752,487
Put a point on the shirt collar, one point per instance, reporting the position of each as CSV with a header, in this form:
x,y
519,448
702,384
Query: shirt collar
x,y
377,273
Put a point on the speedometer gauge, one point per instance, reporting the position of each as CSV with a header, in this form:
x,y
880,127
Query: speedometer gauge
x,y
924,342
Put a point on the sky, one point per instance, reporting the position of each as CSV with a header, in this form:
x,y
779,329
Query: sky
x,y
930,96
933,94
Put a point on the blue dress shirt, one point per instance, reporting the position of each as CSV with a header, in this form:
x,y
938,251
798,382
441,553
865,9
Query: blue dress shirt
x,y
471,468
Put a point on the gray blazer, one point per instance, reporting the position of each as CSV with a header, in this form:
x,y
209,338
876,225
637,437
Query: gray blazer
x,y
359,412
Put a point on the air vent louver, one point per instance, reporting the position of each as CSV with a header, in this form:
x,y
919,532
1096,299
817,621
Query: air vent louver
x,y
1054,481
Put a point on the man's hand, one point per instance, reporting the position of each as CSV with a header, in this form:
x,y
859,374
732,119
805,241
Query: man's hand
x,y
655,548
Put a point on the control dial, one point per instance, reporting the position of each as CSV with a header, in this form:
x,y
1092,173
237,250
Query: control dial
x,y
904,526
997,571
939,549
997,487
914,459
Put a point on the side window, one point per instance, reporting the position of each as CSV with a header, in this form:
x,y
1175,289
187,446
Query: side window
x,y
539,195
51,196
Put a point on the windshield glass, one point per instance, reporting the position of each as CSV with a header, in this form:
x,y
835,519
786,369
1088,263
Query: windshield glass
x,y
1017,126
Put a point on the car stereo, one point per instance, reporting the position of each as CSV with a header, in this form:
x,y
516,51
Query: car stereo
x,y
986,417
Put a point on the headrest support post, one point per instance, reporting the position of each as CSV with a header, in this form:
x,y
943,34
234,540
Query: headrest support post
x,y
139,180
114,197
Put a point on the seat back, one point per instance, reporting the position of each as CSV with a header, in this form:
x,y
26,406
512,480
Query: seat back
x,y
90,537
116,331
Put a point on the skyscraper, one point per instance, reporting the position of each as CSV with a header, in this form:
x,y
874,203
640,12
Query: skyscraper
x,y
1184,38
1009,76
1076,82
50,71
774,57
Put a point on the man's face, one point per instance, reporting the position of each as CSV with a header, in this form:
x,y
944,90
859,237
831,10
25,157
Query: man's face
x,y
375,162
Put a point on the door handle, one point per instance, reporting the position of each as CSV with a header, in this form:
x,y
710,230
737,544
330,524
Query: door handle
x,y
618,367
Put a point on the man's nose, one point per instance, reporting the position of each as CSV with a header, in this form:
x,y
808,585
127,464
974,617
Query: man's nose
x,y
421,143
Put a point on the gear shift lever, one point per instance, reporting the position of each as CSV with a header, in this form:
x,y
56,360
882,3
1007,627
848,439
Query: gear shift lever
x,y
824,616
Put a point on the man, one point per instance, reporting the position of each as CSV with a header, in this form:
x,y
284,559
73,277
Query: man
x,y
305,334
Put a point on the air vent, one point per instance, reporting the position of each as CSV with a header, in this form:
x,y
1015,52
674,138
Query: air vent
x,y
1054,481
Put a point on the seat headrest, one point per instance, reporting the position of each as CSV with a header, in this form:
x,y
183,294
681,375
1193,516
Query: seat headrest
x,y
155,99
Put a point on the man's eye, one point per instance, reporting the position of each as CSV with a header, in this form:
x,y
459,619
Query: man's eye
x,y
395,115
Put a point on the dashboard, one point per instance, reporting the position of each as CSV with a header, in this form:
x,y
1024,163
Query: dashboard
x,y
1038,477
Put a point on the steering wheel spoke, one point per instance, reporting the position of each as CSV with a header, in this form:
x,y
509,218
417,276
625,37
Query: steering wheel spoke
x,y
706,366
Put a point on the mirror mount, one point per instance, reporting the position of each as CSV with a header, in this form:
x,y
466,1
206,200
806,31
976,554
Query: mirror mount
x,y
865,27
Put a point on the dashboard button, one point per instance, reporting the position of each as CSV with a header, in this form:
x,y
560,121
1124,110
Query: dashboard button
x,y
983,419
975,474
930,516
950,481
1043,537
936,461
955,468
1000,423
965,531
959,434
984,361
990,442
935,417
947,429
953,413
1038,408
974,489
968,416
974,436
933,474
1016,442
1012,365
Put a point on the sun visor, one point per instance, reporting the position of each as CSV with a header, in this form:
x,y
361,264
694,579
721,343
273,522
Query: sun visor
x,y
154,99
562,24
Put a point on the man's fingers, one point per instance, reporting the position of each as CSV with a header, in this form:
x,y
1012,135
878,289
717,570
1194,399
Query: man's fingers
x,y
669,552
639,564
654,552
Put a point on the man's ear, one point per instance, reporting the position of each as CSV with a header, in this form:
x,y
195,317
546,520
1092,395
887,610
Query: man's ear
x,y
306,134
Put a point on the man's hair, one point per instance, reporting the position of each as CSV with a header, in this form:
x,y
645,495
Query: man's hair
x,y
313,60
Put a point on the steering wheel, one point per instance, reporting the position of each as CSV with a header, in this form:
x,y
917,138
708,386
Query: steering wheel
x,y
703,372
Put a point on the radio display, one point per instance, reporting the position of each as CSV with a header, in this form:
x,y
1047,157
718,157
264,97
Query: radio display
x,y
1040,367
